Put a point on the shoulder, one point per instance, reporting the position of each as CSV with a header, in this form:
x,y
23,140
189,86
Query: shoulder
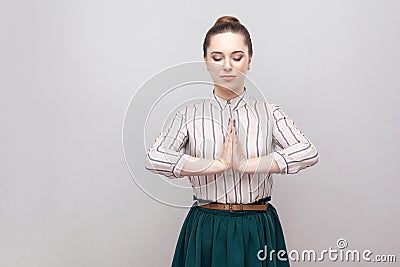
x,y
188,108
261,103
275,107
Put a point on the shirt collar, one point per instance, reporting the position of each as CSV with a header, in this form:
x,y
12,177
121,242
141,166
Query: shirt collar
x,y
236,102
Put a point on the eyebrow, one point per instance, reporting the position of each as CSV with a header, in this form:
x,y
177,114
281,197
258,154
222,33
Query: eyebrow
x,y
234,52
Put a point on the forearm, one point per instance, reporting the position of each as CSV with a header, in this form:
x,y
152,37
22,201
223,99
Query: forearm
x,y
201,166
263,164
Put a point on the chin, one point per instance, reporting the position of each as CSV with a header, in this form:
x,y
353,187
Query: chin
x,y
235,86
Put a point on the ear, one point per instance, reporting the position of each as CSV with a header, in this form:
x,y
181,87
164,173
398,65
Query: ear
x,y
248,64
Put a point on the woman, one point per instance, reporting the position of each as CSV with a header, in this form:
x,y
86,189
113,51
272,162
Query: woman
x,y
229,146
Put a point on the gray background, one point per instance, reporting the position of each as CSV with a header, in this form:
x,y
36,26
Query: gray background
x,y
70,68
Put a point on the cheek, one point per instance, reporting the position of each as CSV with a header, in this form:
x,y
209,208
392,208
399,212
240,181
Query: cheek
x,y
215,68
241,66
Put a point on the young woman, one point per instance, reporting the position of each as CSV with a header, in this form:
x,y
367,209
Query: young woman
x,y
229,146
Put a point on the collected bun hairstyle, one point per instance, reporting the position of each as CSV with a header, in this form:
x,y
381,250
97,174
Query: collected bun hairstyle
x,y
227,24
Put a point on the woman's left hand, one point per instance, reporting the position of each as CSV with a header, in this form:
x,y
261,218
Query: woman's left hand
x,y
239,161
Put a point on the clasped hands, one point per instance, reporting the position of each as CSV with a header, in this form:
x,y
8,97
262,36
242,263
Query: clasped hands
x,y
232,156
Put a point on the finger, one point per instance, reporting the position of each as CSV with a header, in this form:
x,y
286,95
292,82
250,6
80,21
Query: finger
x,y
234,136
229,129
233,127
227,140
228,136
235,139
229,132
226,143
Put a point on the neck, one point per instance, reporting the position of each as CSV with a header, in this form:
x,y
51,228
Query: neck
x,y
226,93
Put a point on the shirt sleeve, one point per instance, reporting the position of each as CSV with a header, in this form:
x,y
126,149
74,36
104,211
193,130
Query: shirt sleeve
x,y
167,154
294,151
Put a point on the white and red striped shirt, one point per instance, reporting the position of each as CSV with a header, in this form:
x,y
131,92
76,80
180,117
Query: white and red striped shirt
x,y
199,130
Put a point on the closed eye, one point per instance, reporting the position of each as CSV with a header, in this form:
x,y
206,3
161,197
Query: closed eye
x,y
217,58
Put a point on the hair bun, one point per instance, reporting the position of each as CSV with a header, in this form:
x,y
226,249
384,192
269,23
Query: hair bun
x,y
224,19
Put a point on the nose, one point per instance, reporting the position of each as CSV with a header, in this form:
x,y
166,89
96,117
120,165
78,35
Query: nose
x,y
227,65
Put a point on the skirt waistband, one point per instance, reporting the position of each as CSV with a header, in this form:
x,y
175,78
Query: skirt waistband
x,y
204,201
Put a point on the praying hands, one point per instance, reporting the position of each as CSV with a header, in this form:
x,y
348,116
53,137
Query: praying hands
x,y
232,157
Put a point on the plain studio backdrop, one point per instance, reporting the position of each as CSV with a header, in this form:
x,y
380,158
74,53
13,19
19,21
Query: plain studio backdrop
x,y
70,68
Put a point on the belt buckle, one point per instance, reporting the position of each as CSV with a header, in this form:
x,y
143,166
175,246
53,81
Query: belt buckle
x,y
230,206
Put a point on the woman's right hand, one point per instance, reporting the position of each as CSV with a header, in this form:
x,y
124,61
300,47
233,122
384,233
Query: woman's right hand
x,y
227,150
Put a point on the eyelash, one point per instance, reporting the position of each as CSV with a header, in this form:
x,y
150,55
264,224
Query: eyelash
x,y
220,58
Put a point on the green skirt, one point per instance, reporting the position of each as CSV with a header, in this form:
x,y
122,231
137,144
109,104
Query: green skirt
x,y
219,238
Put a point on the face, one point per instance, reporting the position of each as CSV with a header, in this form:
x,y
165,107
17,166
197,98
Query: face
x,y
228,60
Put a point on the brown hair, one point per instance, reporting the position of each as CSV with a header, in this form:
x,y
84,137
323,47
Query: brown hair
x,y
227,24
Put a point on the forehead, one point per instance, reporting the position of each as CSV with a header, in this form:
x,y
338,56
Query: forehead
x,y
227,42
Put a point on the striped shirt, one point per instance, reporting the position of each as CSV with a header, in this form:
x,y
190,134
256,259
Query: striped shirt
x,y
199,130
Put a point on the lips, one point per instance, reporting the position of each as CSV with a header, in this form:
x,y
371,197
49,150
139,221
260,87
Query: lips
x,y
228,77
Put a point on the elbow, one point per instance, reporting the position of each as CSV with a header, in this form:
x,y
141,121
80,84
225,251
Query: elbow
x,y
148,163
309,158
314,155
156,164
